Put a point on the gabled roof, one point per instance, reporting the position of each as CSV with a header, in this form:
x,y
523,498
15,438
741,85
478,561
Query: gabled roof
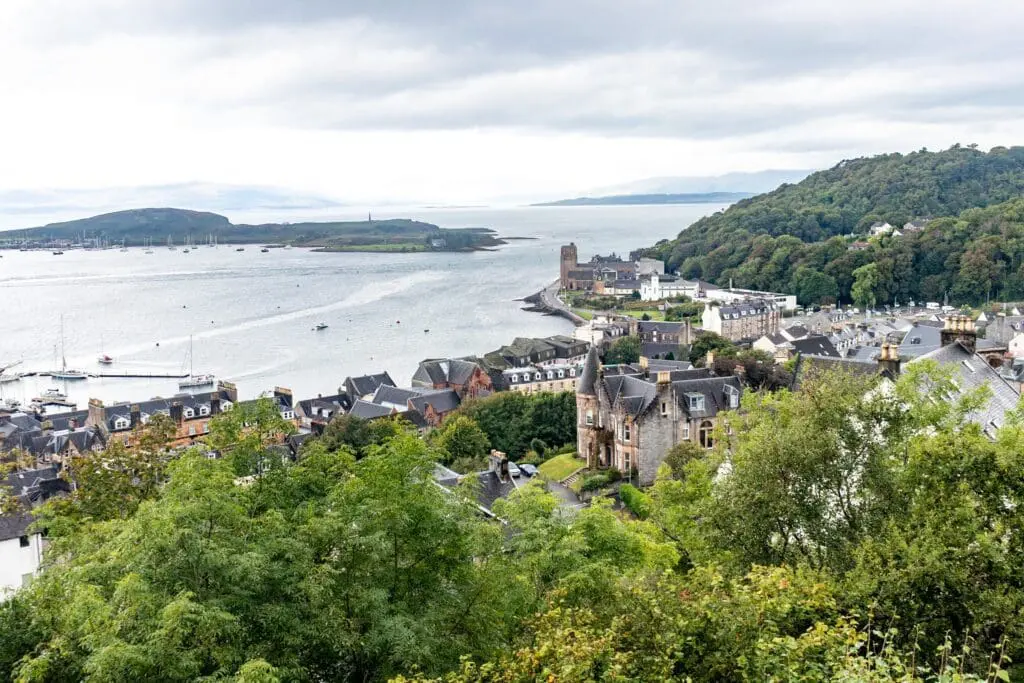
x,y
662,327
367,384
368,410
920,340
713,389
816,346
971,371
442,402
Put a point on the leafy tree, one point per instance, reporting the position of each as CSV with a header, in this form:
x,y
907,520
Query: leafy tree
x,y
511,420
814,287
866,281
461,439
709,341
623,350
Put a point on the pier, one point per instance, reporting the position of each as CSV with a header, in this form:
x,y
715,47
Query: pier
x,y
114,375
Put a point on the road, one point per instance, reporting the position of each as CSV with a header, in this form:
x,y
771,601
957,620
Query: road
x,y
549,298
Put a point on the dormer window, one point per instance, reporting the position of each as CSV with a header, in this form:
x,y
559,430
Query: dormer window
x,y
515,378
572,372
695,401
551,375
226,406
188,413
537,377
561,374
204,410
122,422
733,396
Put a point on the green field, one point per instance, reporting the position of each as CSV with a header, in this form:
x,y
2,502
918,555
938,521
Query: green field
x,y
561,466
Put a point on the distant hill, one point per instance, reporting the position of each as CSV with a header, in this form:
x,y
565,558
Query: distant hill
x,y
747,182
793,238
636,199
138,226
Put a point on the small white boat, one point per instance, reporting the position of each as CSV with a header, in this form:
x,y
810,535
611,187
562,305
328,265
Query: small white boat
x,y
196,381
104,359
53,394
320,326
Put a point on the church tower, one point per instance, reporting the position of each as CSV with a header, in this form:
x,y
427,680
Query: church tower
x,y
569,257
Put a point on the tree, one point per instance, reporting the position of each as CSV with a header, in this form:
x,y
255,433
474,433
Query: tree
x,y
709,341
623,350
865,283
245,433
814,287
461,438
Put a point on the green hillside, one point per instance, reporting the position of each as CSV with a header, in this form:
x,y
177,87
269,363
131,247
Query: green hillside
x,y
137,226
790,239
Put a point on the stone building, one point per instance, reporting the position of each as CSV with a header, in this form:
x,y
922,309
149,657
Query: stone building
x,y
749,319
628,417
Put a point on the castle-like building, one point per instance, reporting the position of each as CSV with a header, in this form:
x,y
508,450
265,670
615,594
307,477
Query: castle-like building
x,y
629,416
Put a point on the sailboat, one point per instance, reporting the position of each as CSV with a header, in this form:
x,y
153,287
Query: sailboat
x,y
194,381
123,247
64,373
170,243
104,359
149,245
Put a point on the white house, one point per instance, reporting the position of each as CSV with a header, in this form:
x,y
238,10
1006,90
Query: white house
x,y
880,228
1016,345
21,552
659,287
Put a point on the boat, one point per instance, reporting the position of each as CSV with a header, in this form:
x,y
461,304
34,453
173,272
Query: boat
x,y
65,374
320,326
240,249
51,395
104,359
170,243
12,404
264,250
185,250
426,331
194,381
58,253
123,247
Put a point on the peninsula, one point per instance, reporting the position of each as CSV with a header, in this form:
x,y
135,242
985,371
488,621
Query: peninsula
x,y
659,198
138,227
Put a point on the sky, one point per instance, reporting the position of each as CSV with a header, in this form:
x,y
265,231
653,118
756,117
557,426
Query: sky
x,y
475,101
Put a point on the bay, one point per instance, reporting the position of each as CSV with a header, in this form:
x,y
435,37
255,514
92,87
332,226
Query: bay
x,y
250,314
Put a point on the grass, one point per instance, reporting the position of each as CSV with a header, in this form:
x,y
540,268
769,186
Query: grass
x,y
654,313
560,466
586,315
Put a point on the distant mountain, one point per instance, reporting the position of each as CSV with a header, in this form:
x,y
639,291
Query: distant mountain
x,y
635,199
136,227
750,183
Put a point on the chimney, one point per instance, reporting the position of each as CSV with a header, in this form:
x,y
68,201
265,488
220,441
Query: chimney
x,y
709,361
135,414
960,328
229,390
497,462
177,413
96,412
889,361
214,403
664,377
644,362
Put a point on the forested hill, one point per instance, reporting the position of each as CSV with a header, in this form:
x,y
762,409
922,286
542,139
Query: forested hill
x,y
789,239
136,227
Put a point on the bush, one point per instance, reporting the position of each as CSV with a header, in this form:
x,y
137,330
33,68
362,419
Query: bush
x,y
613,474
594,482
538,446
638,502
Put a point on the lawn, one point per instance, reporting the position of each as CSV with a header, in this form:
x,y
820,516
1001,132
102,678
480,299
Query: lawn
x,y
654,313
561,466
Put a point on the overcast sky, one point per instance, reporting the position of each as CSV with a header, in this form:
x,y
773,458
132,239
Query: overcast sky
x,y
469,101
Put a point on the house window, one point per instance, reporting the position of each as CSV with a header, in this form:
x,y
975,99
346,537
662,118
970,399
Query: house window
x,y
204,410
590,417
686,432
127,442
664,409
705,434
734,396
696,401
625,432
536,377
188,413
572,372
23,541
191,430
515,378
206,428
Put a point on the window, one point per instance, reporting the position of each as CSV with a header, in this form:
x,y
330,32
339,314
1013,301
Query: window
x,y
695,401
23,541
686,432
572,372
121,422
536,377
733,396
191,430
26,579
204,410
625,432
188,413
590,417
127,442
515,378
705,434
206,428
664,409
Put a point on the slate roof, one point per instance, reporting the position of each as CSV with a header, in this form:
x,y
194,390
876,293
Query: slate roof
x,y
442,402
588,378
920,340
713,390
742,309
335,404
368,410
444,371
971,372
661,327
31,487
797,331
357,387
652,350
393,395
816,346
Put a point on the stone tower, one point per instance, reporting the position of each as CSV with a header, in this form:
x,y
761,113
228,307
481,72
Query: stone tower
x,y
569,261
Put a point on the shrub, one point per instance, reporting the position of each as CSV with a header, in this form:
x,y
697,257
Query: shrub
x,y
538,446
638,502
594,482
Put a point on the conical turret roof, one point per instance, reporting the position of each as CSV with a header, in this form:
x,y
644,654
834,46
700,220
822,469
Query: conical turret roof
x,y
588,380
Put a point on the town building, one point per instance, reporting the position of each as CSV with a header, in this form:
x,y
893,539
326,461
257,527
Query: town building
x,y
748,319
315,414
628,417
659,287
363,387
464,376
21,548
535,379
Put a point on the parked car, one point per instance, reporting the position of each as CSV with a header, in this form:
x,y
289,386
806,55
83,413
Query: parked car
x,y
513,469
528,470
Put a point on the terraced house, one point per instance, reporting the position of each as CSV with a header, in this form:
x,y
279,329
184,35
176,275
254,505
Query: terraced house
x,y
628,417
748,319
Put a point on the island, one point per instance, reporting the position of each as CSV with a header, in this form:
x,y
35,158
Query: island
x,y
170,226
637,199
